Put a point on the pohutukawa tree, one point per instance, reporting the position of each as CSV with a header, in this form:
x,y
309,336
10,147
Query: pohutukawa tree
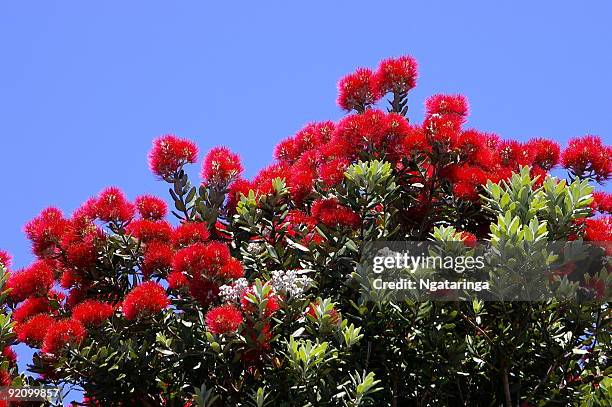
x,y
250,298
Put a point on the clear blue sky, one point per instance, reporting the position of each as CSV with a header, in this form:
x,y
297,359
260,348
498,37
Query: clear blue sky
x,y
85,86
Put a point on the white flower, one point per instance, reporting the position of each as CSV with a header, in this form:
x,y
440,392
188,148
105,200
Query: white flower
x,y
292,282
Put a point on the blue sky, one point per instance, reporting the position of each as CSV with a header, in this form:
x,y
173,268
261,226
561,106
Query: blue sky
x,y
86,86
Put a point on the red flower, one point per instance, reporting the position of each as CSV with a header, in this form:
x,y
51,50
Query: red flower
x,y
30,307
358,90
151,207
68,279
414,140
364,131
33,331
92,312
113,206
177,280
157,256
468,180
332,214
223,319
169,154
447,104
263,180
147,299
62,333
300,181
45,231
221,166
443,130
150,231
5,259
468,238
188,233
34,280
545,152
588,156
287,150
81,241
514,154
598,229
397,74
332,172
602,202
212,259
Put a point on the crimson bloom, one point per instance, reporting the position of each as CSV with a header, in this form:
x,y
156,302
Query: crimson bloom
x,y
397,74
223,319
150,231
30,307
151,207
5,259
33,331
602,202
149,298
92,312
588,157
188,233
112,205
332,214
447,104
545,152
177,280
45,231
35,280
358,90
158,256
62,333
221,166
169,154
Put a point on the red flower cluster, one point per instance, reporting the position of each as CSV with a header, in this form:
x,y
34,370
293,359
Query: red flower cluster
x,y
148,231
358,90
33,331
157,257
35,280
211,260
5,259
30,307
447,105
61,333
224,319
92,312
147,299
588,157
365,87
151,207
598,229
602,202
45,231
188,233
332,214
169,154
397,74
112,206
221,166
